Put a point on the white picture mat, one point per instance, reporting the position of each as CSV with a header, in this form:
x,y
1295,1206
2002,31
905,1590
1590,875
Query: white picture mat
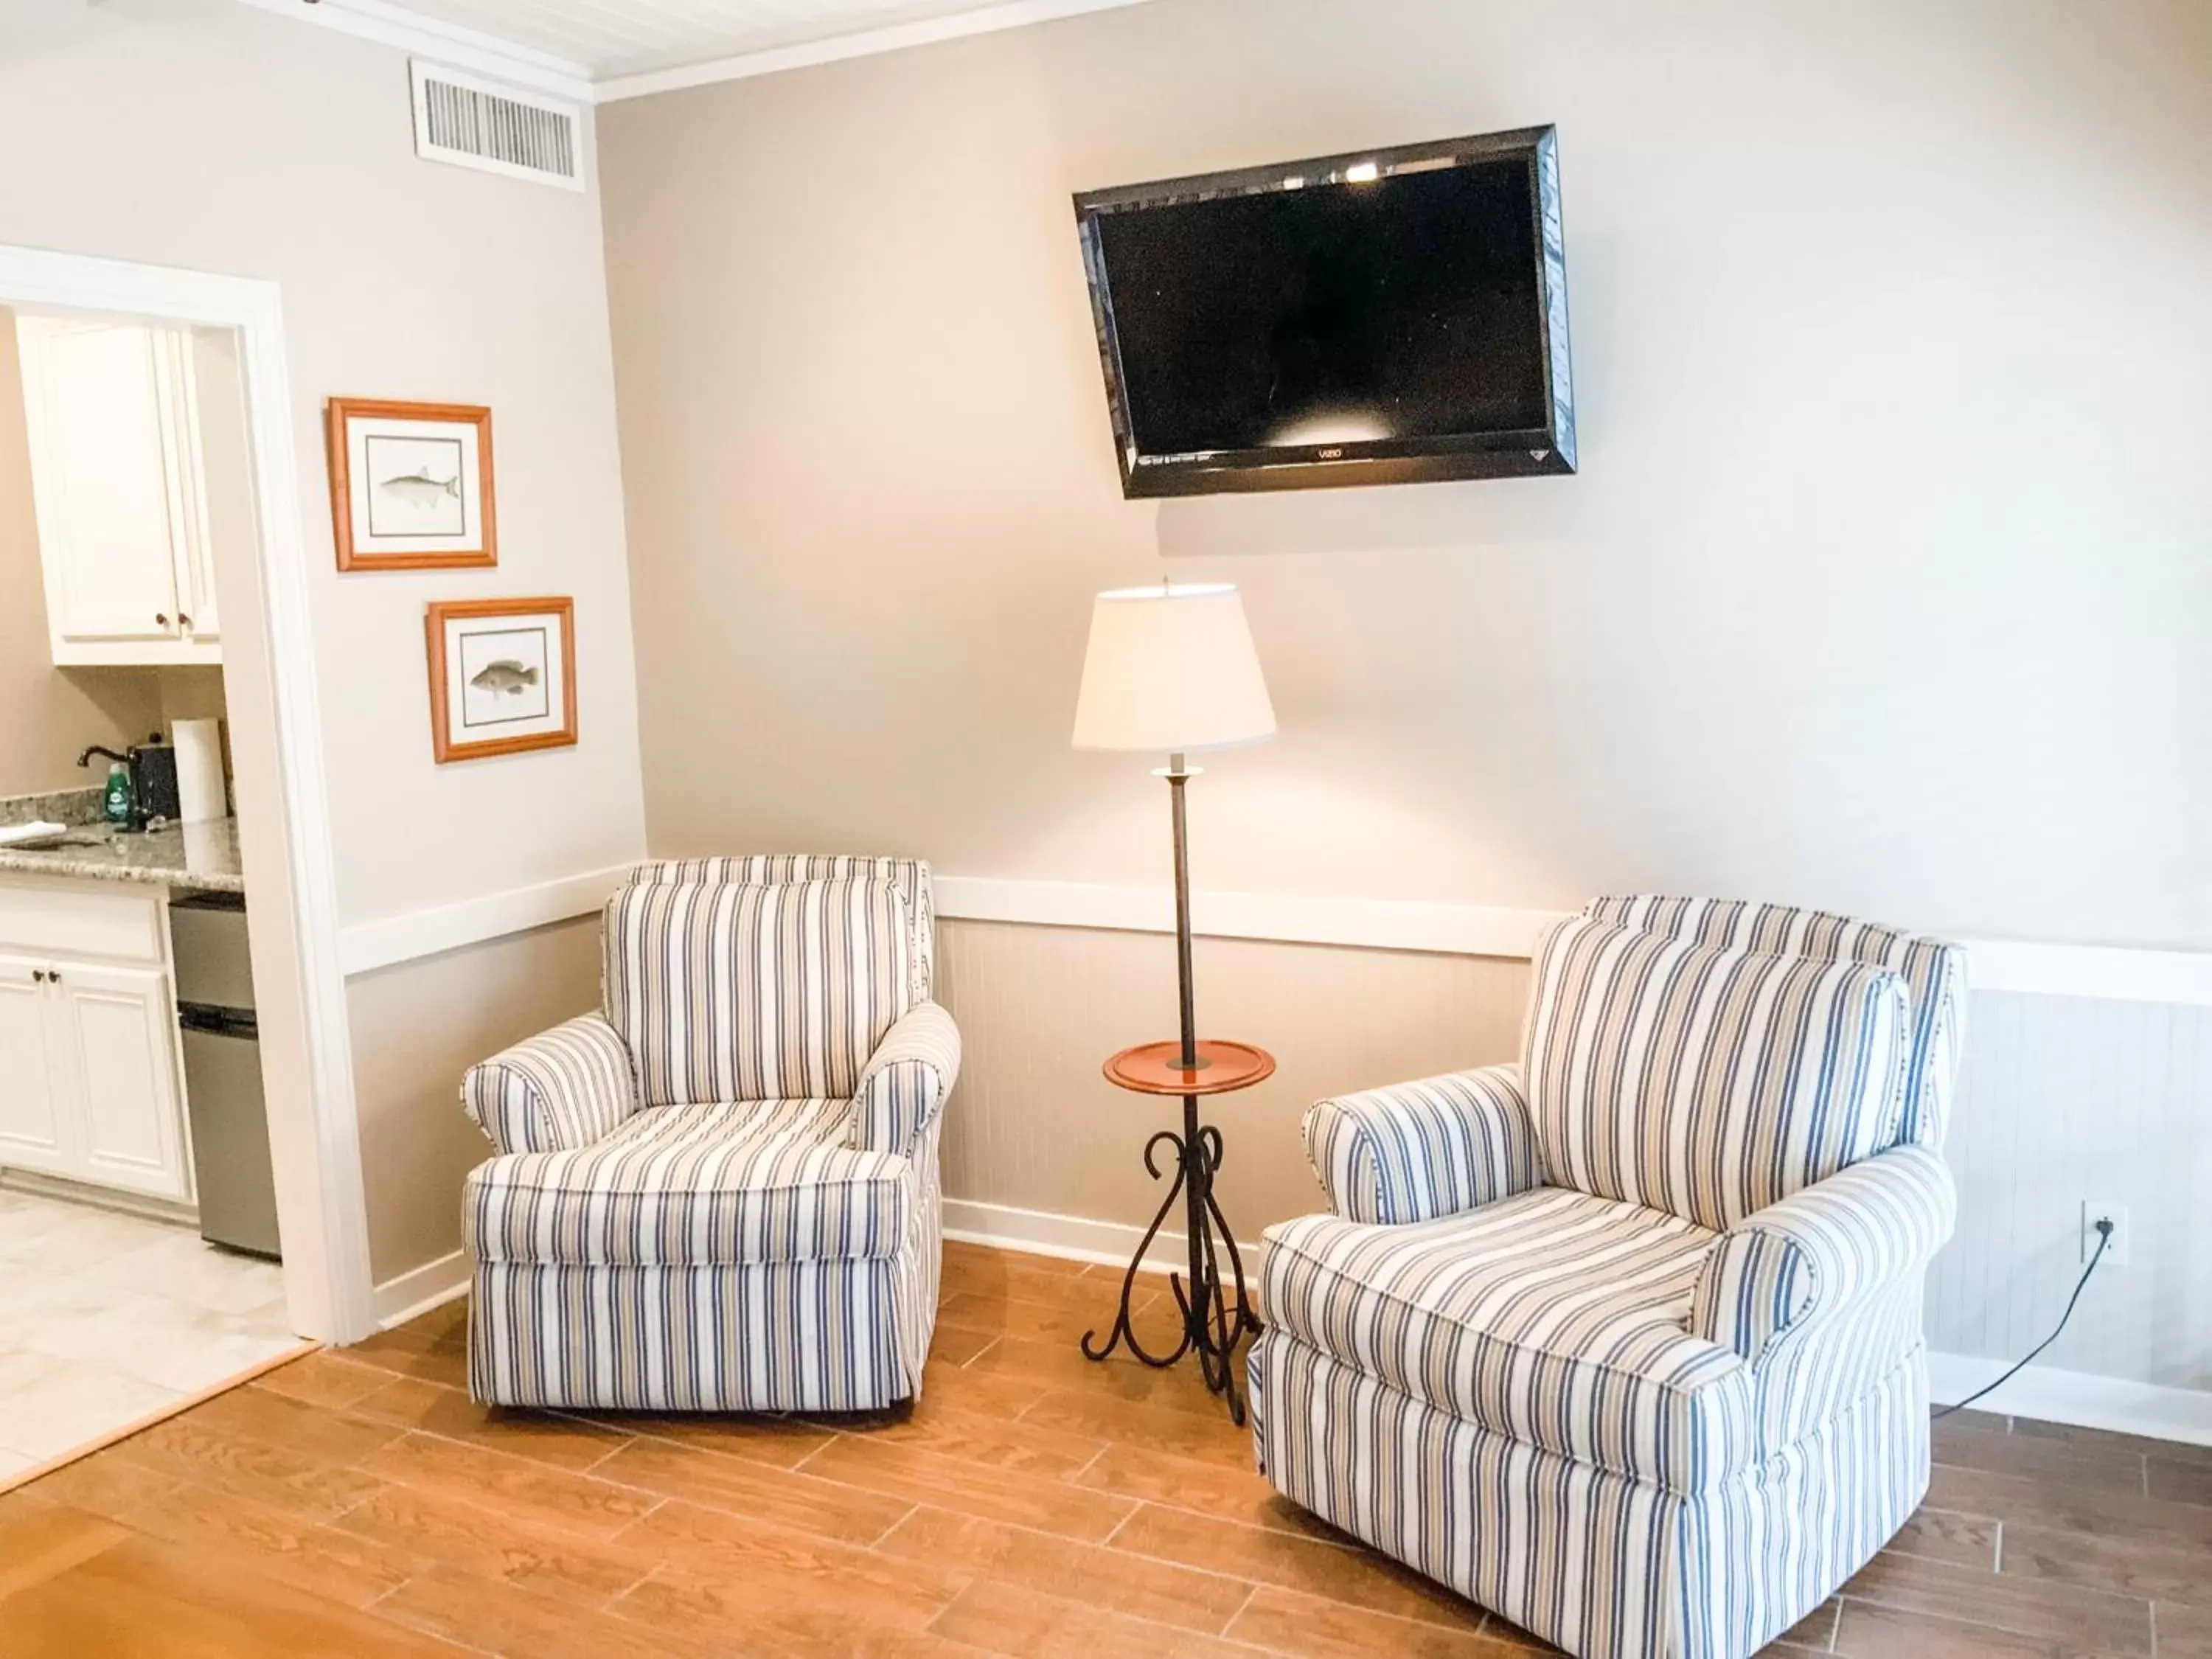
x,y
533,639
422,442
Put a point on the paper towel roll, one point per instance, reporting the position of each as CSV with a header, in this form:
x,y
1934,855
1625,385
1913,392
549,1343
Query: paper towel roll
x,y
200,794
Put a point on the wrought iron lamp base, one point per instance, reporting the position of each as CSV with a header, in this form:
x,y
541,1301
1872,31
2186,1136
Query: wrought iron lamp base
x,y
1216,1316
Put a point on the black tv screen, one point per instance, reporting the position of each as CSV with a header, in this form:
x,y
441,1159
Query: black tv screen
x,y
1389,316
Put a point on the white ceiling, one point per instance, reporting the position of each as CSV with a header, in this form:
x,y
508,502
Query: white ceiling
x,y
608,40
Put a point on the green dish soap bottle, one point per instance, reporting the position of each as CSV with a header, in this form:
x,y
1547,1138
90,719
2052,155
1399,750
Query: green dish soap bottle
x,y
117,807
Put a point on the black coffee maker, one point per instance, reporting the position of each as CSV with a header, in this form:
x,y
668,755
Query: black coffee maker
x,y
153,768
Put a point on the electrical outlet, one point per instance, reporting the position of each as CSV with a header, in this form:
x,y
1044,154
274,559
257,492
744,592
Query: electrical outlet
x,y
2116,1252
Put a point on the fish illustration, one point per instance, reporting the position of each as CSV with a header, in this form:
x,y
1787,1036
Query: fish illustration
x,y
419,490
505,677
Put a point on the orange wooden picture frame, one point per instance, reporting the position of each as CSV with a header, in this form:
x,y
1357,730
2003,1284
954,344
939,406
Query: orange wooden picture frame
x,y
435,618
337,413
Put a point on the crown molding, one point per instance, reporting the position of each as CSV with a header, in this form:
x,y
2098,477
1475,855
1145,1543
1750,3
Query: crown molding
x,y
449,43
864,43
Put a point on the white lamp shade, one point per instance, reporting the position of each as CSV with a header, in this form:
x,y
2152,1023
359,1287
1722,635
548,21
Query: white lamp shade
x,y
1170,669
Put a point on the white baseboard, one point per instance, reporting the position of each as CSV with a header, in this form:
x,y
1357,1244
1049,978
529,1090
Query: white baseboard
x,y
1071,1238
2051,1395
414,1294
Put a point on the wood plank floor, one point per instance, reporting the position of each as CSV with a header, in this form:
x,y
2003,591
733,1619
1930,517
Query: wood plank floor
x,y
1034,1504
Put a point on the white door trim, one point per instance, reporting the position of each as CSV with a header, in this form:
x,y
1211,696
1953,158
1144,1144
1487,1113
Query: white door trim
x,y
317,1152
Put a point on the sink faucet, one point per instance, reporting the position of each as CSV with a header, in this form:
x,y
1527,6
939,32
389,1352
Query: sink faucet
x,y
85,759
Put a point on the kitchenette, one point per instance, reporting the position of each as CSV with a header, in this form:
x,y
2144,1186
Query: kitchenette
x,y
126,1018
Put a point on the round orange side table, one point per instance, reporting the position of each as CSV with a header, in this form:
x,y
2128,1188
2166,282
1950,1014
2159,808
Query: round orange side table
x,y
1215,1316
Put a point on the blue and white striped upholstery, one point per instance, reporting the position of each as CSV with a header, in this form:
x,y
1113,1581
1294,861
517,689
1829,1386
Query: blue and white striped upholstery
x,y
905,1083
909,876
696,1186
1819,1250
1661,1399
721,1194
1417,1151
1553,1317
1604,1566
1934,977
1702,1082
565,1087
728,992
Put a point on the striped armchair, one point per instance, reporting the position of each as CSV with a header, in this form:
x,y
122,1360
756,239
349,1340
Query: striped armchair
x,y
1625,1341
720,1192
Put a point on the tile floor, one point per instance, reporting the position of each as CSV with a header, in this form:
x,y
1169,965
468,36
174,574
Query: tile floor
x,y
105,1318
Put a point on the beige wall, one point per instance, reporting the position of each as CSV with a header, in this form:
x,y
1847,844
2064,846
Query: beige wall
x,y
1884,586
417,1028
206,134
48,716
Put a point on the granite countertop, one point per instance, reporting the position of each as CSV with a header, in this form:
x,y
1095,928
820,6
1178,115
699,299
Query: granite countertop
x,y
189,857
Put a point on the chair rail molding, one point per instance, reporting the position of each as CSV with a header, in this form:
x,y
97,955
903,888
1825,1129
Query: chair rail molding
x,y
323,1208
366,946
2111,972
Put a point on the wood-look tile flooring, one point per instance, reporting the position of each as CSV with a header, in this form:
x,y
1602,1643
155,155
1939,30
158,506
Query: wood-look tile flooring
x,y
355,1503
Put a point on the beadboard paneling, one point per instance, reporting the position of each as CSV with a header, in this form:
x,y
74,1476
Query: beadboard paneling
x,y
2063,1099
1034,1124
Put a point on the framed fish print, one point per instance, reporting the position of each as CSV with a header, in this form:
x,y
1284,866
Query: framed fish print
x,y
412,485
502,676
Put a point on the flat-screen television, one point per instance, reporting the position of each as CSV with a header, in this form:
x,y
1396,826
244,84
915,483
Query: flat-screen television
x,y
1385,317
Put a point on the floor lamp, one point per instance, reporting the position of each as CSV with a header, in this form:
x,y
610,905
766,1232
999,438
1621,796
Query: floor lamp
x,y
1171,670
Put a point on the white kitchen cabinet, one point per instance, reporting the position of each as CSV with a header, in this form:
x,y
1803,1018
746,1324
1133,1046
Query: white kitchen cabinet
x,y
118,477
90,1084
33,1123
115,1030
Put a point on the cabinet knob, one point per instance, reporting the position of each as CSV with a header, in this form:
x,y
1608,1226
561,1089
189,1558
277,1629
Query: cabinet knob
x,y
54,976
38,977
183,620
161,618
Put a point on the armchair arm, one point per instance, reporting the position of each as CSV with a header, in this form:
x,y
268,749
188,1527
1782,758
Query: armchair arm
x,y
563,1088
1414,1151
905,1082
1808,1259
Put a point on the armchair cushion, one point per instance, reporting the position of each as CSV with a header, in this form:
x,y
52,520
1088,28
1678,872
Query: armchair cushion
x,y
909,876
1934,977
1811,1257
1414,1151
565,1087
766,993
1553,1317
1706,1082
906,1082
695,1186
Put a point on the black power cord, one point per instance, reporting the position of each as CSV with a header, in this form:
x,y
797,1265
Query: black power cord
x,y
2104,1225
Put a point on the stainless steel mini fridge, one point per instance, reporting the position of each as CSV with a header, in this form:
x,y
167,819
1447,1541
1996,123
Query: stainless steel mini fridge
x,y
228,1114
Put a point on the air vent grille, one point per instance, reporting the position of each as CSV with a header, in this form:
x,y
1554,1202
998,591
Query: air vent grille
x,y
474,123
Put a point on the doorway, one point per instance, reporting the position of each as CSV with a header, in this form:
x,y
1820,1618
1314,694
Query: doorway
x,y
266,693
